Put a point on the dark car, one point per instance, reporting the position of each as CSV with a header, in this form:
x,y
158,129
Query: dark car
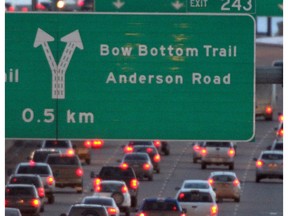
x,y
153,154
40,155
141,164
24,197
30,179
67,170
160,207
12,212
86,210
117,173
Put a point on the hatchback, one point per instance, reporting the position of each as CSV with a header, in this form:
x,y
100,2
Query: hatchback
x,y
226,185
269,165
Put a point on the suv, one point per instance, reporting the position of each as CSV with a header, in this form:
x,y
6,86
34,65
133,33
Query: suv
x,y
117,173
44,171
218,153
82,148
67,170
161,206
30,179
64,146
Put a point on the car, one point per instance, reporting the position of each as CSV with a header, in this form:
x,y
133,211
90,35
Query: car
x,y
64,146
86,210
226,185
160,207
279,131
197,202
69,5
118,190
107,202
269,165
67,170
162,146
277,145
197,184
30,179
153,154
44,171
117,173
24,197
196,151
218,153
40,155
141,164
12,212
82,148
128,148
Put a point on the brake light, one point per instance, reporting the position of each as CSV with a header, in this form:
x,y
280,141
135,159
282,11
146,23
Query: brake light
x,y
231,152
112,211
134,184
31,163
40,6
87,144
70,152
142,214
196,148
50,180
236,182
79,172
124,189
124,166
203,151
98,188
11,9
149,150
181,196
268,110
157,143
98,143
60,4
280,118
35,203
157,158
97,181
128,149
211,181
280,133
6,203
183,214
146,166
41,192
214,210
24,9
259,163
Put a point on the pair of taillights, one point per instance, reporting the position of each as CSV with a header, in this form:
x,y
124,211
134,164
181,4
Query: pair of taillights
x,y
98,188
230,152
33,202
235,182
134,183
145,166
97,143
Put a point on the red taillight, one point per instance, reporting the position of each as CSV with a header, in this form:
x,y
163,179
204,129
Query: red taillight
x,y
214,210
203,151
70,152
183,214
97,181
280,118
40,6
211,181
87,144
268,110
111,211
35,203
31,163
98,188
41,192
11,9
157,143
6,203
259,163
98,143
124,189
134,184
280,133
128,149
79,172
80,3
231,152
236,182
149,150
146,166
124,166
157,158
24,9
196,148
181,196
50,180
142,214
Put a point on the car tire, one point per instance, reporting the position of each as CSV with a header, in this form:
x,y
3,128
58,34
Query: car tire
x,y
257,180
203,165
51,199
231,166
134,201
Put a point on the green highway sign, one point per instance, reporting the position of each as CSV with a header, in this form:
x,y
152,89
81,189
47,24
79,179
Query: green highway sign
x,y
129,76
176,6
269,8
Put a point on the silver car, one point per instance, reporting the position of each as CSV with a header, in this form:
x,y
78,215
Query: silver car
x,y
269,165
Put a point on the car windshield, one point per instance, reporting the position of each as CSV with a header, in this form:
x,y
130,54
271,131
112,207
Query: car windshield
x,y
56,144
194,196
198,185
160,206
218,144
268,156
34,170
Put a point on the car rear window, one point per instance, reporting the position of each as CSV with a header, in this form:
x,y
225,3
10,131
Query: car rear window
x,y
278,146
18,191
104,202
40,156
56,144
218,144
196,185
147,149
34,170
62,160
111,187
224,178
84,211
194,196
160,206
268,156
116,173
25,180
140,143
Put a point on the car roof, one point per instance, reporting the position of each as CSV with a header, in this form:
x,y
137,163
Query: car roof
x,y
160,199
33,164
21,185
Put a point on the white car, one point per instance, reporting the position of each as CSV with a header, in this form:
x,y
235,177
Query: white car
x,y
197,202
118,190
108,202
197,184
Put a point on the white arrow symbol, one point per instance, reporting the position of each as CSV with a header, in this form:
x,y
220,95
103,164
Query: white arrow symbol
x,y
177,5
118,4
73,40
